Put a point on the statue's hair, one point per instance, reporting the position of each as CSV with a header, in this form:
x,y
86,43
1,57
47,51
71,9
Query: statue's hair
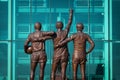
x,y
81,24
60,22
39,26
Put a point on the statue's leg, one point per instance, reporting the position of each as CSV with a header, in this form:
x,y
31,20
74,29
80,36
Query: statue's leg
x,y
74,66
33,67
54,67
82,68
63,66
42,67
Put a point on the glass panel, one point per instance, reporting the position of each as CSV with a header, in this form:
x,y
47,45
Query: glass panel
x,y
116,60
115,28
96,71
96,62
21,60
3,61
115,20
97,28
3,20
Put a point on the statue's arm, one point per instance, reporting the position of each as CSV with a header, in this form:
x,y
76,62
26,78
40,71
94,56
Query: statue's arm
x,y
48,33
65,41
70,20
42,38
47,37
92,44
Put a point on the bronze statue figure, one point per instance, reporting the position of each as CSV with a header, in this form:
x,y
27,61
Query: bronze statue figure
x,y
61,53
79,55
38,55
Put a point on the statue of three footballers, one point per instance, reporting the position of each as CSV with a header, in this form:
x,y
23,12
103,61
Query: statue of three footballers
x,y
60,56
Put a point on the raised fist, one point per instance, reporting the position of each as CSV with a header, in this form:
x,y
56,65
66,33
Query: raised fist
x,y
71,10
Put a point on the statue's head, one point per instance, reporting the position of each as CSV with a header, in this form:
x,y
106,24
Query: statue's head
x,y
80,26
59,25
37,26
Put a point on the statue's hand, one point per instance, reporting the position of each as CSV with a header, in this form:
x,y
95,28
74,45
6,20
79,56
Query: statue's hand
x,y
43,39
52,33
71,10
60,44
25,49
56,46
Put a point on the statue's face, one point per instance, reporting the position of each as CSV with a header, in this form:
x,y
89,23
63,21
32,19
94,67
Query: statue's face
x,y
79,27
37,26
59,25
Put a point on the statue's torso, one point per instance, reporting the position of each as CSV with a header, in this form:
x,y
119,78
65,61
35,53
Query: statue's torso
x,y
60,36
80,45
37,45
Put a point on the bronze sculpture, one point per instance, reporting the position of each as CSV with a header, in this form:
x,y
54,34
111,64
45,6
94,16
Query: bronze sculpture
x,y
38,55
61,53
79,56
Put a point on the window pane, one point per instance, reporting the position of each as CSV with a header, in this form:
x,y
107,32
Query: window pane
x,y
116,20
3,61
3,20
116,61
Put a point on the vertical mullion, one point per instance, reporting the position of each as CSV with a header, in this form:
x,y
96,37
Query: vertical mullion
x,y
106,38
111,75
9,38
13,43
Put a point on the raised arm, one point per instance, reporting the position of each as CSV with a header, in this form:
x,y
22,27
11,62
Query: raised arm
x,y
70,20
26,43
92,45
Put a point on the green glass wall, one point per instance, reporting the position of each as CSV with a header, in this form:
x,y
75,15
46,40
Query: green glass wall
x,y
101,20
